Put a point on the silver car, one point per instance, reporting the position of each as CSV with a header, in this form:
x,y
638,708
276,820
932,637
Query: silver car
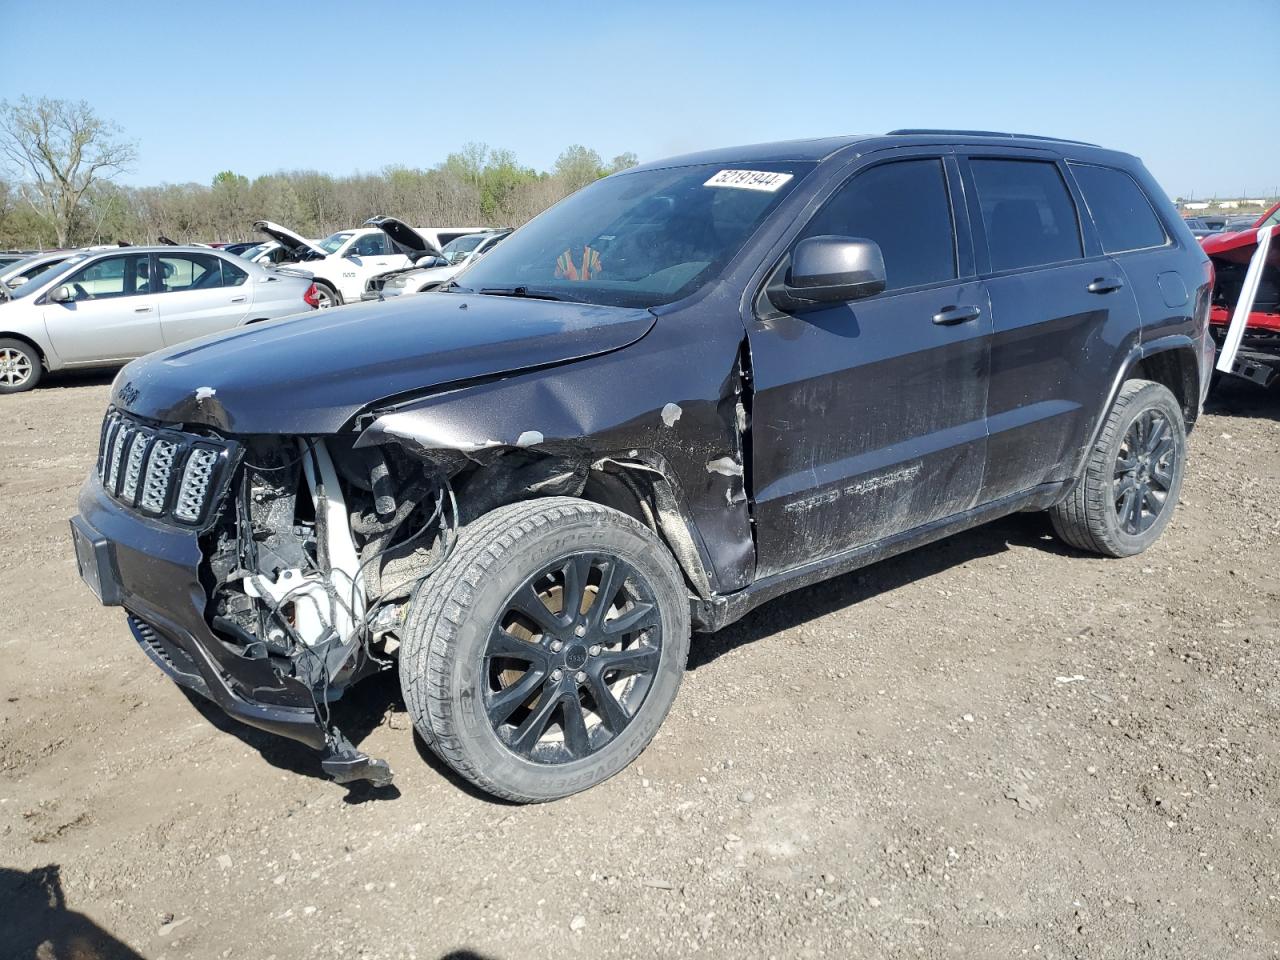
x,y
105,307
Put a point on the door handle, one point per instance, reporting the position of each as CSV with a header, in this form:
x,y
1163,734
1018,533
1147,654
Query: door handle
x,y
949,316
141,309
1105,285
239,299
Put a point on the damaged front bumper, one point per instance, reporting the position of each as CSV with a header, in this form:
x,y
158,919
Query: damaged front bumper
x,y
152,570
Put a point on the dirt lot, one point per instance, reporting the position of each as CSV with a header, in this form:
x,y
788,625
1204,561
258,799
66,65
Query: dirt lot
x,y
990,747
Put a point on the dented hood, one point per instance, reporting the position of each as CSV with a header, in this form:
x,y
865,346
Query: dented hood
x,y
311,373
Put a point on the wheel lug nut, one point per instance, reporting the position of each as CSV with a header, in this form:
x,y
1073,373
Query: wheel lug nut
x,y
556,674
556,646
595,650
581,677
580,630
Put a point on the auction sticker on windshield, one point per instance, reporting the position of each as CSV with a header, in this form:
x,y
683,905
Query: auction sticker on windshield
x,y
749,180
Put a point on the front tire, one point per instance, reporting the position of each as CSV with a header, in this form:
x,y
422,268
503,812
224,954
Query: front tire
x,y
1131,481
542,657
20,366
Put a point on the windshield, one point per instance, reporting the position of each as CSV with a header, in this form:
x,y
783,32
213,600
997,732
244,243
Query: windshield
x,y
637,239
52,274
331,243
455,251
255,250
1272,220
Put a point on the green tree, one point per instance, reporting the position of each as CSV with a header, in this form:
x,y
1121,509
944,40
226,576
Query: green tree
x,y
577,166
60,148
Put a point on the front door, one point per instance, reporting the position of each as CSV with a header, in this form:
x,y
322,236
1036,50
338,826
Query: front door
x,y
868,418
369,255
198,293
113,313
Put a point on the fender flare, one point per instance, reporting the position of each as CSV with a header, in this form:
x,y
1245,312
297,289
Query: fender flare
x,y
1136,355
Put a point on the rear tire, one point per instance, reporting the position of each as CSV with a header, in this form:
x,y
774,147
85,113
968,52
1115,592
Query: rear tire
x,y
21,366
536,703
326,296
1132,478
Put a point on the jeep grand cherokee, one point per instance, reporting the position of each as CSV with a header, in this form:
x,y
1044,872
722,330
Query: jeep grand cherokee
x,y
687,389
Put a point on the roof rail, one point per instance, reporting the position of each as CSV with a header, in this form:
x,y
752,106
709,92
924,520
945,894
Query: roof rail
x,y
912,131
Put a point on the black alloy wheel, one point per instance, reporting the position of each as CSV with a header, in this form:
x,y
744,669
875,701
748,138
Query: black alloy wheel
x,y
1144,472
571,658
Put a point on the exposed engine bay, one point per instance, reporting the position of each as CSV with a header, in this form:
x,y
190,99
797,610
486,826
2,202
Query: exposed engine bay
x,y
315,558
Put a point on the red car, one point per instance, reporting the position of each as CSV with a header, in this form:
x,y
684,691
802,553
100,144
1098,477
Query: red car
x,y
1247,267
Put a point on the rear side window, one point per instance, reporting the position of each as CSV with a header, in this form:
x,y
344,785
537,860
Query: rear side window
x,y
1029,216
902,206
1122,212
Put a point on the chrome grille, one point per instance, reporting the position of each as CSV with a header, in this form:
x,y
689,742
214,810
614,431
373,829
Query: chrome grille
x,y
163,473
195,484
155,489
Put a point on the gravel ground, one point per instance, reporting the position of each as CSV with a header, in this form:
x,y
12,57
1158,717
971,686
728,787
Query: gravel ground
x,y
993,746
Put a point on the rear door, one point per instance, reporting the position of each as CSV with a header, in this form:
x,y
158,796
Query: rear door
x,y
113,315
199,293
868,418
1060,308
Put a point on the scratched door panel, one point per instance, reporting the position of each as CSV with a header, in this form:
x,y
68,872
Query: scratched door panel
x,y
868,420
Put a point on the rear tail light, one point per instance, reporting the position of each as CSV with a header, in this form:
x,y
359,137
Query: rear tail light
x,y
312,297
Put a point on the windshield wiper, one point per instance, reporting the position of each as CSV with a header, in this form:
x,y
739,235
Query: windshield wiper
x,y
520,291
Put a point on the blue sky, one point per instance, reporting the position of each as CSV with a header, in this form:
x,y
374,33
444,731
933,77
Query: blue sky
x,y
359,84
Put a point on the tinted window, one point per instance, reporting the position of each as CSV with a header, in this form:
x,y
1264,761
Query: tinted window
x,y
903,207
1120,209
1028,213
110,277
189,271
232,276
371,245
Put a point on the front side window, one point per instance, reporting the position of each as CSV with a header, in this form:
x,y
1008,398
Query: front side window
x,y
1119,208
903,206
1029,216
110,277
456,251
189,271
371,245
637,239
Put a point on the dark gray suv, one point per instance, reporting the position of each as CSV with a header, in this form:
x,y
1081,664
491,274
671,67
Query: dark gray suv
x,y
683,391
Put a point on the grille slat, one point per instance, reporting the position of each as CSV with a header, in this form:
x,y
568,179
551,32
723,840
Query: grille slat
x,y
162,472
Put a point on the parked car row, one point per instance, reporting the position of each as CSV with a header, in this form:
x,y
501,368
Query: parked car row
x,y
105,307
343,263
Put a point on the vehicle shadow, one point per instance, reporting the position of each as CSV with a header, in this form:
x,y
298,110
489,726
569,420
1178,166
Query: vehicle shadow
x,y
363,708
70,379
377,700
35,923
1237,397
811,603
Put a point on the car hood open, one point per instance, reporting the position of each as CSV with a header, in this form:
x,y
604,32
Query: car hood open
x,y
413,244
310,374
297,245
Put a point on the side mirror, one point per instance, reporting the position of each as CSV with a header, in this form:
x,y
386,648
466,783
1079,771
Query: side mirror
x,y
61,294
826,270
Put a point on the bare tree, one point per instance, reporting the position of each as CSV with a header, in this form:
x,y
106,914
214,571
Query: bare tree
x,y
60,149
